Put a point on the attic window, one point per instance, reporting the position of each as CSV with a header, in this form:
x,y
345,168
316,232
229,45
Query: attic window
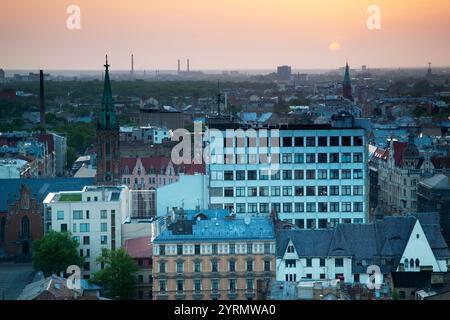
x,y
417,236
290,249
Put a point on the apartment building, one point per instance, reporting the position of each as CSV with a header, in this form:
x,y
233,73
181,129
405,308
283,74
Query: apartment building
x,y
210,255
93,216
404,244
315,176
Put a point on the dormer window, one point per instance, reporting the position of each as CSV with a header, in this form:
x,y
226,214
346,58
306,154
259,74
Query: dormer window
x,y
290,249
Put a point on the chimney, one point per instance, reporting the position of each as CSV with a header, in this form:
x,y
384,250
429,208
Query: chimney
x,y
42,99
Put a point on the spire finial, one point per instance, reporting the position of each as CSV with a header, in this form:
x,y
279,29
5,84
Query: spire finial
x,y
106,65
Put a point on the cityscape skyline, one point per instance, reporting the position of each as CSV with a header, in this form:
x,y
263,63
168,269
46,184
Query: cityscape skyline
x,y
254,35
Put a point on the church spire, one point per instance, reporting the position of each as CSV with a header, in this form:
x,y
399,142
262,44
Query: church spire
x,y
107,115
347,84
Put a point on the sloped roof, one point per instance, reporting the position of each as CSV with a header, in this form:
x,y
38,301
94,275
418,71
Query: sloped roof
x,y
399,147
139,247
438,181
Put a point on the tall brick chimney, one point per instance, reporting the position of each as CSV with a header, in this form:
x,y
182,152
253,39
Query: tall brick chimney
x,y
42,99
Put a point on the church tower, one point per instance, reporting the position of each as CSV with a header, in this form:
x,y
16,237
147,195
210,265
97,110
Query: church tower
x,y
108,159
347,85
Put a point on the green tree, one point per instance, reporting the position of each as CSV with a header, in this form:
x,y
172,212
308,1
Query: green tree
x,y
55,252
118,277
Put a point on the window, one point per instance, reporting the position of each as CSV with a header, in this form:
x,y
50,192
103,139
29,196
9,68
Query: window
x,y
240,192
86,240
346,190
252,191
180,285
214,249
322,158
162,286
286,158
214,266
287,174
197,249
322,191
287,142
346,174
84,227
232,284
310,158
228,192
357,141
299,141
264,208
287,207
357,174
249,284
77,215
249,248
322,174
334,141
334,174
334,190
334,206
299,158
287,191
64,227
103,214
358,207
60,215
179,249
252,175
310,141
299,191
338,262
309,262
197,285
276,207
180,266
299,174
267,265
311,191
322,262
87,214
358,157
357,190
299,207
322,141
240,207
346,157
214,284
310,174
162,250
300,223
103,227
310,207
322,207
346,207
263,191
252,207
240,175
334,157
346,141
232,266
290,263
103,240
290,249
228,175
264,175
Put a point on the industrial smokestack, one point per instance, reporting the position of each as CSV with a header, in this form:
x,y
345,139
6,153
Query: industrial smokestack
x,y
179,66
42,99
187,65
132,64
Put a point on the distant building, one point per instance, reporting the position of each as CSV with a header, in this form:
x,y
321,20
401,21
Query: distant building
x,y
2,75
21,224
284,73
433,195
140,249
159,117
210,255
93,216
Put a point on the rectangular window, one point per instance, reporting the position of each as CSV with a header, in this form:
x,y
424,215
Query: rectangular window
x,y
264,208
358,157
232,248
357,141
310,174
287,207
232,266
299,175
252,191
346,174
322,174
338,262
346,141
197,285
334,141
103,227
77,215
263,191
267,265
299,158
240,207
286,158
84,227
214,284
228,176
214,266
103,240
334,206
357,174
299,191
310,141
322,158
310,207
228,192
287,174
197,249
346,190
287,191
252,208
275,191
103,214
249,248
240,192
252,175
299,207
322,141
299,141
276,175
310,158
240,175
300,223
334,190
322,207
263,175
60,215
162,286
346,206
309,262
357,190
322,262
346,157
180,267
287,142
334,174
334,157
179,250
311,191
357,207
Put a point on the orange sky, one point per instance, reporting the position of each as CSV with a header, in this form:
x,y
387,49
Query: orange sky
x,y
223,34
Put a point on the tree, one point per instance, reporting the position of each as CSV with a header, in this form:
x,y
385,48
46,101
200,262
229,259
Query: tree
x,y
55,252
118,276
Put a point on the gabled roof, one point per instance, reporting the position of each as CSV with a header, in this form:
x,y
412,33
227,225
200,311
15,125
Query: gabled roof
x,y
399,147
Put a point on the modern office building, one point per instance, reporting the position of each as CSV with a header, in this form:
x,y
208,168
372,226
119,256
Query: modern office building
x,y
315,176
210,255
93,216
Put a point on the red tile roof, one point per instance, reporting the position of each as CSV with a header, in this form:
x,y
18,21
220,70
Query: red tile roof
x,y
399,147
139,247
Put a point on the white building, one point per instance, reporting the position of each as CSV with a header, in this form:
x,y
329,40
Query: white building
x,y
409,244
93,216
321,179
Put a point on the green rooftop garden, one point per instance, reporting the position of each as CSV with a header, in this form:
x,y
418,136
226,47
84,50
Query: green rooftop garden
x,y
72,197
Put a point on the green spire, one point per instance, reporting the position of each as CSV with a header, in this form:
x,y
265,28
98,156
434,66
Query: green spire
x,y
107,115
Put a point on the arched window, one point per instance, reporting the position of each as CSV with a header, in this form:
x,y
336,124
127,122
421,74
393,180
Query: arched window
x,y
2,229
417,263
25,227
411,263
406,263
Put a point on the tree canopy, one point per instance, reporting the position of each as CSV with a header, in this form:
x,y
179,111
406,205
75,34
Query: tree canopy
x,y
55,252
118,276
